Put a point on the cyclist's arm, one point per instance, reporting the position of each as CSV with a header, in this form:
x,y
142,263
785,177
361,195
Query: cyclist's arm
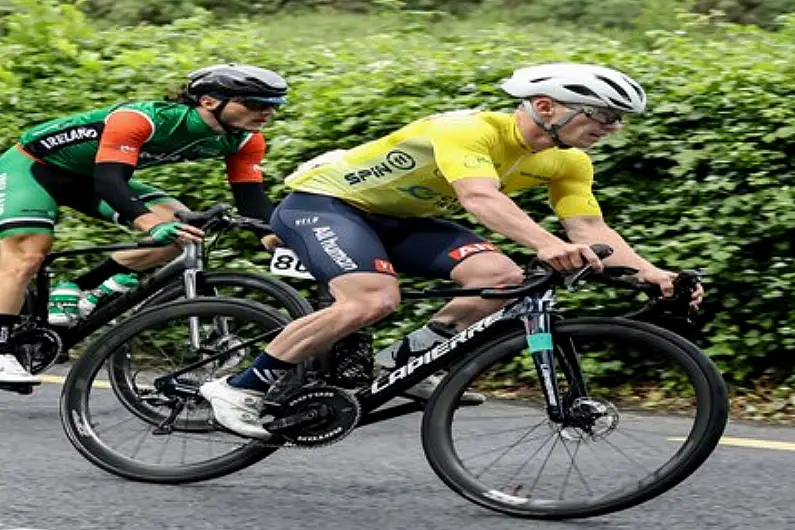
x,y
245,178
124,134
576,206
462,152
593,229
482,198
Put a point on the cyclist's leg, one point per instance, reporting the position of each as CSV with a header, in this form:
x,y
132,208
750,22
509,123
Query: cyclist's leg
x,y
450,251
338,247
27,220
458,254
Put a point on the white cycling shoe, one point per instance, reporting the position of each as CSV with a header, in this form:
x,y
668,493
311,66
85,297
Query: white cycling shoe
x,y
13,373
237,409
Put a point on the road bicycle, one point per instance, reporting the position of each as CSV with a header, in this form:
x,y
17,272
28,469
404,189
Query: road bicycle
x,y
39,344
584,416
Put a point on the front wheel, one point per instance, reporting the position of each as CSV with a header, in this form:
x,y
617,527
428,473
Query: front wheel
x,y
654,411
239,284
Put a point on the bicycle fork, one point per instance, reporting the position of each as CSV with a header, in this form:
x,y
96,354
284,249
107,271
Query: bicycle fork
x,y
194,265
537,319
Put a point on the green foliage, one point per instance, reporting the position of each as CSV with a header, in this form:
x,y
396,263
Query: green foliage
x,y
705,179
635,15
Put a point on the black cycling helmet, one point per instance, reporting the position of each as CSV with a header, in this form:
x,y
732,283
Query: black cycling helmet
x,y
232,80
224,81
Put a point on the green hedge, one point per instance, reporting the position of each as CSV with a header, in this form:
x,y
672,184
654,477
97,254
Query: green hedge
x,y
610,14
703,180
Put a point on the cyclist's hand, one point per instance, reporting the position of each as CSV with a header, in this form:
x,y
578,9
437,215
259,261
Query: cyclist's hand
x,y
698,296
569,256
172,231
271,241
662,278
665,279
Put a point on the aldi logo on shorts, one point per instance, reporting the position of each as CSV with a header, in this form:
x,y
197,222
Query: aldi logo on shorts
x,y
473,248
382,265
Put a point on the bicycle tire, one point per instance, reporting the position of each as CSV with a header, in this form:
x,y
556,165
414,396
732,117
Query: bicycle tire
x,y
711,417
76,389
287,297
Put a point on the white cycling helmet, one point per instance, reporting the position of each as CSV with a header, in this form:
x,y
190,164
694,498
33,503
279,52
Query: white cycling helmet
x,y
584,84
587,86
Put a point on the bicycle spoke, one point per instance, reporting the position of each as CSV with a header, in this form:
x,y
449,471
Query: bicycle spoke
x,y
626,456
508,449
575,467
546,461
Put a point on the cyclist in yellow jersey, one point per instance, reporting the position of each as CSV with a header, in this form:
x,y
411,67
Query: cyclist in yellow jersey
x,y
357,217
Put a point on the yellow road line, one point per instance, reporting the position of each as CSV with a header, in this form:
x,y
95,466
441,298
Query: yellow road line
x,y
59,380
750,442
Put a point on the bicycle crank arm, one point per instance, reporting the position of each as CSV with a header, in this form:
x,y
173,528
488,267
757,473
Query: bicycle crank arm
x,y
295,420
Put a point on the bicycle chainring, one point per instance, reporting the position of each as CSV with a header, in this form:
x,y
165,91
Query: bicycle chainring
x,y
315,417
37,348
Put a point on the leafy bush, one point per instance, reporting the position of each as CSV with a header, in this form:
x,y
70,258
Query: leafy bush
x,y
610,14
703,180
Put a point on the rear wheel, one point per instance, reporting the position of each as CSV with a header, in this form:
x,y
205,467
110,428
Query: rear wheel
x,y
135,427
239,285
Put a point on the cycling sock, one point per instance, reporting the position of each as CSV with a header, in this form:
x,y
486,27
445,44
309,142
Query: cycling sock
x,y
6,325
100,273
417,342
262,374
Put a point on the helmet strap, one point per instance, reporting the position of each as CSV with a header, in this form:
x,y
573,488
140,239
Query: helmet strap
x,y
217,115
552,129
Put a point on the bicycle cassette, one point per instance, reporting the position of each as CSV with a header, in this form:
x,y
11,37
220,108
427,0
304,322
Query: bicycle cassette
x,y
314,417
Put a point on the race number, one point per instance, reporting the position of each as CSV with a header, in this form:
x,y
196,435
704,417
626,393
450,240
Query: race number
x,y
284,262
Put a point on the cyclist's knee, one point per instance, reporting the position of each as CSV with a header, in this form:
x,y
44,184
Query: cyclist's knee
x,y
380,305
369,307
20,258
489,268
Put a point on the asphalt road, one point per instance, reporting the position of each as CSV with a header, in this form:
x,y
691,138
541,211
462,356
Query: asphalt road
x,y
376,478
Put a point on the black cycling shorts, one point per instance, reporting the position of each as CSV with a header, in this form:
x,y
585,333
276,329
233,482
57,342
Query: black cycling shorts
x,y
333,238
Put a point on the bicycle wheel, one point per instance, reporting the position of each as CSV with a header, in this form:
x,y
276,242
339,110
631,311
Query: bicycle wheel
x,y
655,410
248,286
244,285
134,441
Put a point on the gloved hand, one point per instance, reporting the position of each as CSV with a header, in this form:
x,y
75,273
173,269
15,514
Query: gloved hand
x,y
171,231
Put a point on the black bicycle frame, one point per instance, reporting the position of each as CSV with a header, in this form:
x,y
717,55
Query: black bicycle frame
x,y
535,312
188,266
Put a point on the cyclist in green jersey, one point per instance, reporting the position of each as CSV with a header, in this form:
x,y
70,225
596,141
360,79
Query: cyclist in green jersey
x,y
86,161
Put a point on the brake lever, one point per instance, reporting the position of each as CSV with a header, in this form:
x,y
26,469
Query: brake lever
x,y
578,277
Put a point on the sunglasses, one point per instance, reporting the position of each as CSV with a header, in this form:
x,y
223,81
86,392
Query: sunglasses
x,y
256,105
601,115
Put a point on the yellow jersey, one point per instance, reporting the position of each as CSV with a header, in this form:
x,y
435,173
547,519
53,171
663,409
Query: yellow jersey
x,y
409,172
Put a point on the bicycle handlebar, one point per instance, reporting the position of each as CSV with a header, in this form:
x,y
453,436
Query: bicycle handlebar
x,y
218,217
545,276
215,217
